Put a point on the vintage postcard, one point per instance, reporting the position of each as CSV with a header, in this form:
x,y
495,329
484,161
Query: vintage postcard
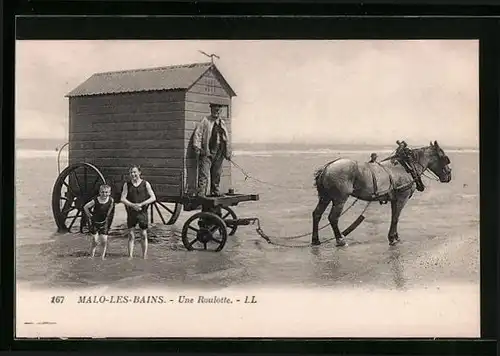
x,y
247,189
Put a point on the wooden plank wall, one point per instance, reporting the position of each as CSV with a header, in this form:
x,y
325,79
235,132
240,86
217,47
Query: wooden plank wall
x,y
116,131
207,90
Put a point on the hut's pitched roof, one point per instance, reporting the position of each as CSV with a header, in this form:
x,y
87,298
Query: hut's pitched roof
x,y
178,77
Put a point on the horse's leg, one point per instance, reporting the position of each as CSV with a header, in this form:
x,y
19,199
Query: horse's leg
x,y
316,215
333,217
397,206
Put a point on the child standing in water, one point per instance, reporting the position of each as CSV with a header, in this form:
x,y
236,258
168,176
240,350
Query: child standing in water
x,y
137,195
102,207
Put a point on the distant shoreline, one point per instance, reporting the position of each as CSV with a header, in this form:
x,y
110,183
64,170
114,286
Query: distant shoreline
x,y
54,144
32,154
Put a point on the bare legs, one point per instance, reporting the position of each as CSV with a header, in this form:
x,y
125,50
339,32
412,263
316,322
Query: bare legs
x,y
95,242
144,243
105,244
131,240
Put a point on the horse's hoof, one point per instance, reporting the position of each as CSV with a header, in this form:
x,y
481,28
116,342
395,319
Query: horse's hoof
x,y
315,243
341,243
393,242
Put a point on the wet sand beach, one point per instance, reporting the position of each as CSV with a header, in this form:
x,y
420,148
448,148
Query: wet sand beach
x,y
438,257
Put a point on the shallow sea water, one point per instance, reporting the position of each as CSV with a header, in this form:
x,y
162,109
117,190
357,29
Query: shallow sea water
x,y
439,229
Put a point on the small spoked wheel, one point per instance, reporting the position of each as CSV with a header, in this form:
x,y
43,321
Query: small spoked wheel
x,y
74,187
226,213
167,212
204,231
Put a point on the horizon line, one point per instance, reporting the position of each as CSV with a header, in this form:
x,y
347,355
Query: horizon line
x,y
316,143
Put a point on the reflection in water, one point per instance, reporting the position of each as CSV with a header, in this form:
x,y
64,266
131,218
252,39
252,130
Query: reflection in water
x,y
326,267
316,251
396,264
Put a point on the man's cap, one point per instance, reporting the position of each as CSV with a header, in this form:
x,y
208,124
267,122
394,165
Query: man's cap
x,y
373,155
213,105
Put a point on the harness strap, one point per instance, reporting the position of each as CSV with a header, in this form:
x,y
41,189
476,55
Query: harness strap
x,y
391,180
376,193
374,180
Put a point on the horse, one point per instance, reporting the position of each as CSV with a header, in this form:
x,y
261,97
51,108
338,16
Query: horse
x,y
338,180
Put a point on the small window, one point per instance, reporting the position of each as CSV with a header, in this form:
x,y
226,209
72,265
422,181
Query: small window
x,y
224,112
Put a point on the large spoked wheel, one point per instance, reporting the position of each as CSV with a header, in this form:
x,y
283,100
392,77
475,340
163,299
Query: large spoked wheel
x,y
167,211
75,186
226,213
204,231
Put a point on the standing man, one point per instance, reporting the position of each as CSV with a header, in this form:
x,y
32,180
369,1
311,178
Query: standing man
x,y
211,145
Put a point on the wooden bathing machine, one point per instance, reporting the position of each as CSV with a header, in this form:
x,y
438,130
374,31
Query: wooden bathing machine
x,y
146,117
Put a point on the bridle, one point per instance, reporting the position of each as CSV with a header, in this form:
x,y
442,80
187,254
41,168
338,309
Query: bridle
x,y
425,169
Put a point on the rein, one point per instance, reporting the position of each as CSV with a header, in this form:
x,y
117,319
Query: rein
x,y
419,175
247,175
424,170
269,238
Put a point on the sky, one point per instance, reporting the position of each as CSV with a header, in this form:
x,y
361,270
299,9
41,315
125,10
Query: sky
x,y
311,91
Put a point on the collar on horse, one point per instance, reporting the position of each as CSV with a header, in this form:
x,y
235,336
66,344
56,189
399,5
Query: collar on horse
x,y
406,157
406,160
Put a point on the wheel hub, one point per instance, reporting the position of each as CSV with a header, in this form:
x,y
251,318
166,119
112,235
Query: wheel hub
x,y
204,235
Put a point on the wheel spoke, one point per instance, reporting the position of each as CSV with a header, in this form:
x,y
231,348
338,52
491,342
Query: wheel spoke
x,y
190,245
67,211
69,188
192,228
213,229
218,241
166,207
204,245
77,182
74,219
231,227
159,213
66,204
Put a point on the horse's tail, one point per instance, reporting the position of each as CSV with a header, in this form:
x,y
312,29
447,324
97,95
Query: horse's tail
x,y
318,174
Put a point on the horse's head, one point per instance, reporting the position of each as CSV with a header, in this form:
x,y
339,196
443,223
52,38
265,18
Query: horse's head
x,y
439,162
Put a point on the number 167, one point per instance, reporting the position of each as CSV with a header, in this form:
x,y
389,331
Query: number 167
x,y
59,299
